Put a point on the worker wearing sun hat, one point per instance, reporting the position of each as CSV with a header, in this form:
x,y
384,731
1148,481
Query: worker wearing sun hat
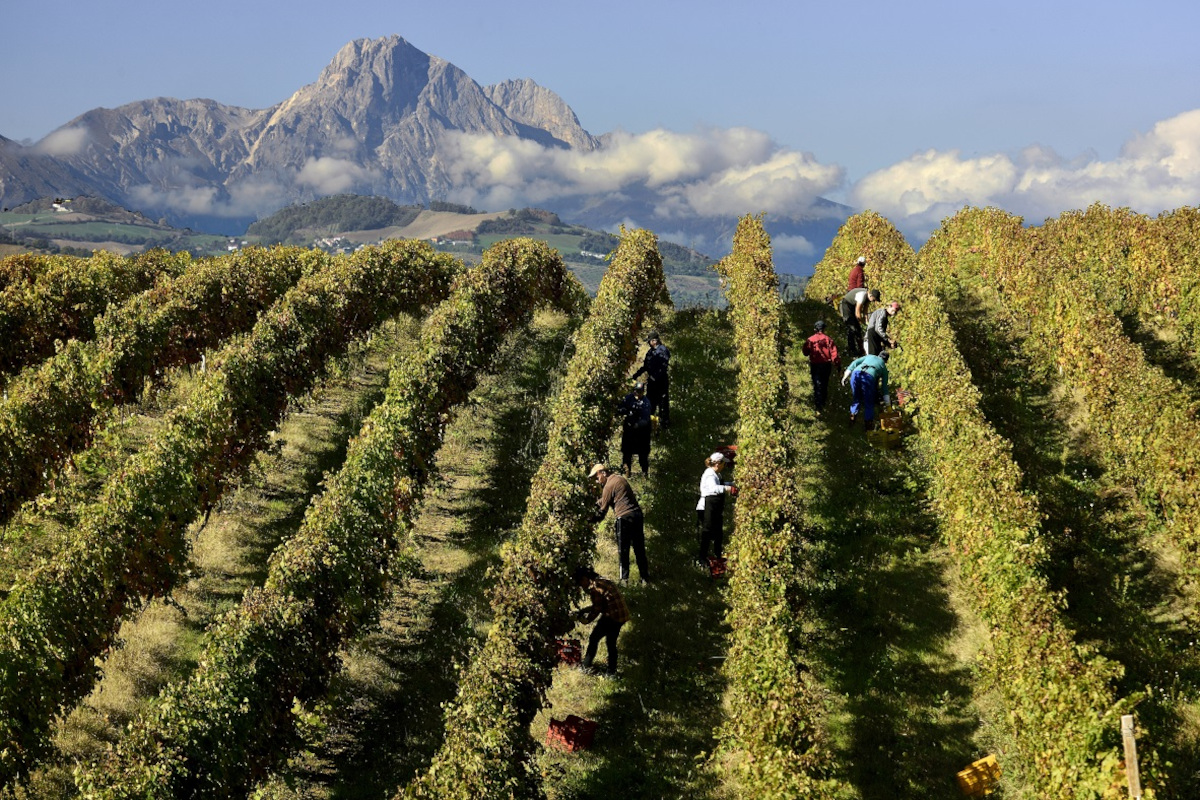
x,y
630,529
710,512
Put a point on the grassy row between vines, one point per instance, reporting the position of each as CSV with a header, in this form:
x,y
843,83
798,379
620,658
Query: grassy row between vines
x,y
130,544
487,751
49,408
1061,713
233,720
774,729
48,298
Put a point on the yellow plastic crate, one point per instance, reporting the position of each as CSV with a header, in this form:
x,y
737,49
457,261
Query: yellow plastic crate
x,y
980,779
884,439
892,420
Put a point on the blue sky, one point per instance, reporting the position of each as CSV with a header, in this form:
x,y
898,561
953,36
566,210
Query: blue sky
x,y
911,108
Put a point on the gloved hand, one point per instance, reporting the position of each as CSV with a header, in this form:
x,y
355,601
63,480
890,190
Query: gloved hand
x,y
887,399
845,377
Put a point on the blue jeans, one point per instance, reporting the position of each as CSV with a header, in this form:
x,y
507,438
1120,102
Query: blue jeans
x,y
862,386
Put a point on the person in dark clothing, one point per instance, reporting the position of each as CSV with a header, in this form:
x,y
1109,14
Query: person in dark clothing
x,y
710,512
609,606
822,355
853,309
618,495
658,379
635,430
858,275
877,329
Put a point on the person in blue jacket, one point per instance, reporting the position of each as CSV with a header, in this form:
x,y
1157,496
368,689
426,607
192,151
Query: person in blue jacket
x,y
868,377
635,430
658,378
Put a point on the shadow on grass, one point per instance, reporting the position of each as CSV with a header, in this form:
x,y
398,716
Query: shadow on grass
x,y
658,721
908,722
388,702
1123,599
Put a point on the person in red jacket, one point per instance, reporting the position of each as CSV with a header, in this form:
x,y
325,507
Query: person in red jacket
x,y
822,355
858,277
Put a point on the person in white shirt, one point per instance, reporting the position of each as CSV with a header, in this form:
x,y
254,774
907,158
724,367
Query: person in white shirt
x,y
710,512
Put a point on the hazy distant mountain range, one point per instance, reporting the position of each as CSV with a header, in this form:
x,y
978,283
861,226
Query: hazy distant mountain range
x,y
382,119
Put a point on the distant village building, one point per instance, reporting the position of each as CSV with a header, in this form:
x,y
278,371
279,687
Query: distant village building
x,y
455,238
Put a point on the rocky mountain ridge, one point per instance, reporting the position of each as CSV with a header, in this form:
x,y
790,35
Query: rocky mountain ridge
x,y
375,122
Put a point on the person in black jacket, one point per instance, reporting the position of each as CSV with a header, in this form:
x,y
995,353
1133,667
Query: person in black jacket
x,y
635,430
658,381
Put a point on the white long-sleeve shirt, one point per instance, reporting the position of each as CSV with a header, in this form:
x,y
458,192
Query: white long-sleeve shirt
x,y
710,484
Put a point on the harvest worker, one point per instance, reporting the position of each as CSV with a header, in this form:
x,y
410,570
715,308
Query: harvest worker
x,y
710,512
635,430
868,376
658,381
822,354
853,309
618,495
607,604
858,277
877,328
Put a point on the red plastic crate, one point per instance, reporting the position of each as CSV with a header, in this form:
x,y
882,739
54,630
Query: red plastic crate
x,y
570,651
571,734
717,567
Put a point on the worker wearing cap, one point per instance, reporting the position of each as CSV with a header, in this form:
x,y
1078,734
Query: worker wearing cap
x,y
853,309
710,512
877,329
858,275
658,379
868,377
617,494
609,606
635,430
822,355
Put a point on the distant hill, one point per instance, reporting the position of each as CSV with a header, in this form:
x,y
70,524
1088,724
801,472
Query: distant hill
x,y
334,215
79,225
330,223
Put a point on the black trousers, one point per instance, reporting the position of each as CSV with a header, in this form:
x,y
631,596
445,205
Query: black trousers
x,y
820,380
608,630
659,394
854,338
712,525
631,532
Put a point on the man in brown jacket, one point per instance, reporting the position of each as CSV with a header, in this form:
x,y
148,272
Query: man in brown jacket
x,y
618,495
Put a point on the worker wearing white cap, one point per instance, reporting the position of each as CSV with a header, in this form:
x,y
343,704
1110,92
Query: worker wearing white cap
x,y
710,512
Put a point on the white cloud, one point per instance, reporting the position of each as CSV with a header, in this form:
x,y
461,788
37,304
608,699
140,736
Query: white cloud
x,y
1154,171
331,175
64,142
184,199
785,243
714,172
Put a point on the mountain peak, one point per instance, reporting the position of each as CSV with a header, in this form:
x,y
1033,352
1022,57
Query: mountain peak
x,y
536,106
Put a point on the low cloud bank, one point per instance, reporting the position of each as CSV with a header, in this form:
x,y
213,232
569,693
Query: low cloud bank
x,y
63,143
1155,171
679,178
709,173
